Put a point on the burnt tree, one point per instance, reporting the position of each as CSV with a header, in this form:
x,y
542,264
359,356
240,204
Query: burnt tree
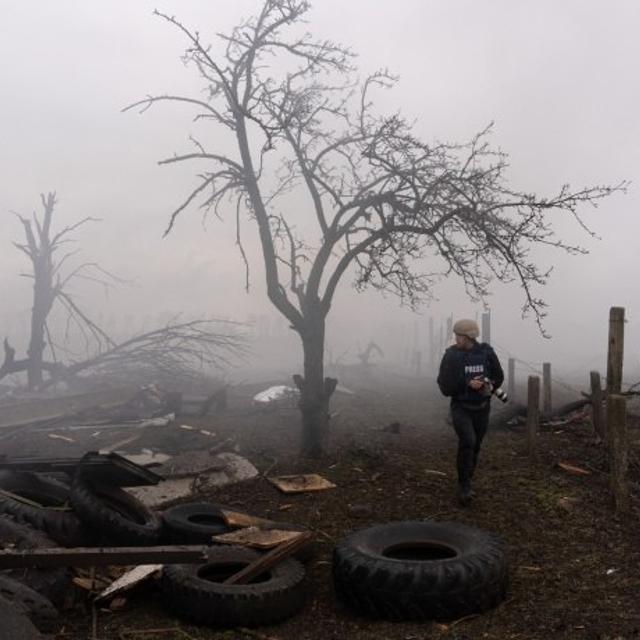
x,y
178,350
42,246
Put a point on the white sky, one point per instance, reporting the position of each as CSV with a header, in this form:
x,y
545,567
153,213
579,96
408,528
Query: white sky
x,y
558,77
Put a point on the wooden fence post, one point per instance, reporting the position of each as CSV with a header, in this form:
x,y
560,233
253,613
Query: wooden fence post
x,y
533,411
616,350
511,378
597,411
486,327
546,387
618,447
432,346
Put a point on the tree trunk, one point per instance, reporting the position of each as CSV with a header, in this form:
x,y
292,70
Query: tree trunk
x,y
315,390
42,302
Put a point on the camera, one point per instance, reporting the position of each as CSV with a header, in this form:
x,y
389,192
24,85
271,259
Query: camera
x,y
498,393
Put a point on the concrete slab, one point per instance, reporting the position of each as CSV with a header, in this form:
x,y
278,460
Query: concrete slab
x,y
192,473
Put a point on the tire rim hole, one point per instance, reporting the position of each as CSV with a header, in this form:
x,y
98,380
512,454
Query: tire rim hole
x,y
220,572
428,552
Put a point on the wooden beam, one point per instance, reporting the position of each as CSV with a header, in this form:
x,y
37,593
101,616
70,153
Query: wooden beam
x,y
269,559
102,556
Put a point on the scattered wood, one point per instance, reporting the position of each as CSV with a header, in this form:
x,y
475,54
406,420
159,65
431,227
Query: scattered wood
x,y
240,519
100,556
301,483
566,503
57,436
47,409
256,537
129,580
573,468
271,558
117,445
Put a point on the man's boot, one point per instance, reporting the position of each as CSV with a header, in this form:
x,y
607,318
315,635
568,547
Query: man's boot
x,y
465,493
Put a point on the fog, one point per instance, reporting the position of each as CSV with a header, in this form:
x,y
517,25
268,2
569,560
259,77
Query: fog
x,y
558,79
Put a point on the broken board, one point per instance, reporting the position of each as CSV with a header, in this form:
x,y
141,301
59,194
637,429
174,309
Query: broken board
x,y
301,482
239,519
256,537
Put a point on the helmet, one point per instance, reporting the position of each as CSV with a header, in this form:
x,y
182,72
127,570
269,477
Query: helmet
x,y
467,328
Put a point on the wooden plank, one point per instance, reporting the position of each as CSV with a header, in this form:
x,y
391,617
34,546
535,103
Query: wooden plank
x,y
102,556
256,537
239,519
301,483
269,559
34,410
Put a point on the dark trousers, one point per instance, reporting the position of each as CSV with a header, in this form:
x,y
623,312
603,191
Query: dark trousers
x,y
470,426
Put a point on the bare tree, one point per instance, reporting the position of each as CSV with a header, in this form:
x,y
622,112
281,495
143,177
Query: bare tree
x,y
42,246
180,349
381,200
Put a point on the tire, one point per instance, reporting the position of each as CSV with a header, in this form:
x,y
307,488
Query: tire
x,y
49,582
420,571
16,624
197,593
193,523
116,514
36,607
63,527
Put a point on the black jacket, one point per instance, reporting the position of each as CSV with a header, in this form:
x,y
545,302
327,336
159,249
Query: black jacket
x,y
458,366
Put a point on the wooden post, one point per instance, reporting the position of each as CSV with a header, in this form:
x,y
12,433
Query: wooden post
x,y
511,379
546,387
486,327
417,361
432,346
533,411
597,410
616,350
618,447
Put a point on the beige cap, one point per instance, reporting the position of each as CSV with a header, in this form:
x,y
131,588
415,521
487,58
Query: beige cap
x,y
467,328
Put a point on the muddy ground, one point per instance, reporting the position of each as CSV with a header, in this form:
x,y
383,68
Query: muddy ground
x,y
575,564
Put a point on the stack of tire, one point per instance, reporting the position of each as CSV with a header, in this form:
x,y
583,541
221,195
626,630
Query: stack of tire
x,y
28,597
80,512
198,592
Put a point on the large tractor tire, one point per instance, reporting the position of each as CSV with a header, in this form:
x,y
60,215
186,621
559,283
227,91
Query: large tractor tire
x,y
420,571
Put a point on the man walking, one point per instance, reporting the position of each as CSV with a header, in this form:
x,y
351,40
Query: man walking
x,y
469,372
